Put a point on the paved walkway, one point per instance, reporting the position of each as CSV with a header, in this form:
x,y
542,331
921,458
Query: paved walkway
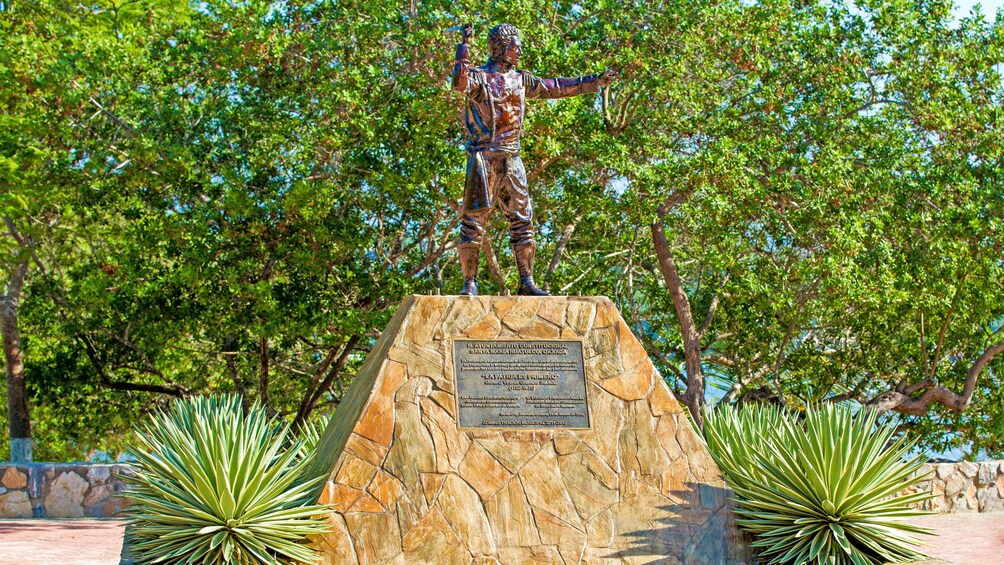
x,y
963,539
61,542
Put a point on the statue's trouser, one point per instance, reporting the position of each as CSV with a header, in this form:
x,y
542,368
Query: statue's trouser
x,y
497,177
469,257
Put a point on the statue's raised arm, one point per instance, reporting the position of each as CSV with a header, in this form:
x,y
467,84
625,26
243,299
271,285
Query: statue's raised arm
x,y
462,60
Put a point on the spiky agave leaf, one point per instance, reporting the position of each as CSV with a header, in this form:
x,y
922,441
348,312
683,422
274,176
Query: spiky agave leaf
x,y
214,485
818,491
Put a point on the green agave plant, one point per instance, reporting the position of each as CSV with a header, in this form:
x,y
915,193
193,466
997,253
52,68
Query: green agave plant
x,y
818,491
214,485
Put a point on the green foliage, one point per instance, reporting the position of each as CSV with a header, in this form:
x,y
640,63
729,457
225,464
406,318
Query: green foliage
x,y
822,490
216,485
222,195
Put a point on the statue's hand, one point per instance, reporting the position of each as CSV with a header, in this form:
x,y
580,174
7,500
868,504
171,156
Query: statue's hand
x,y
467,32
608,77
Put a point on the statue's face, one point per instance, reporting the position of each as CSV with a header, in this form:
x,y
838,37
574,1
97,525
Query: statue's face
x,y
512,51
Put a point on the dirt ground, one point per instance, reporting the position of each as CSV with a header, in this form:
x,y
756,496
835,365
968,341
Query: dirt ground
x,y
963,539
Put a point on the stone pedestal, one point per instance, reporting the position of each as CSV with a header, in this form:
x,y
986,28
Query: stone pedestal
x,y
408,485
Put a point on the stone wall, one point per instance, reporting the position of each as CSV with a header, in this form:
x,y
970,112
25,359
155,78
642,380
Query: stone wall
x,y
61,490
963,487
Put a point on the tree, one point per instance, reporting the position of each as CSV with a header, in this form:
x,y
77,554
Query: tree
x,y
819,187
48,146
799,198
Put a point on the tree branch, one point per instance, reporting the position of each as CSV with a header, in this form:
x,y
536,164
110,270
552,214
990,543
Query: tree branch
x,y
492,262
172,389
904,404
566,236
315,380
444,246
713,308
333,373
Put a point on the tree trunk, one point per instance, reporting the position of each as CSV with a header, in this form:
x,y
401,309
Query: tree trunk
x,y
693,396
229,354
18,416
492,262
263,375
330,368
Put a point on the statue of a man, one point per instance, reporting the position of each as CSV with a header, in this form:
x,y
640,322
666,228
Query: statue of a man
x,y
496,95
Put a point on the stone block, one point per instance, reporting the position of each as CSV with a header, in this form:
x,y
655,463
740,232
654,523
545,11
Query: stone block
x,y
539,329
385,489
987,473
366,449
991,502
433,541
355,472
553,311
662,402
488,328
411,507
955,485
589,481
339,497
462,315
634,384
15,504
971,502
424,320
579,317
366,503
570,540
511,517
375,536
102,501
968,469
450,443
99,474
483,472
66,496
510,452
14,479
640,449
463,510
541,479
407,485
606,315
336,545
944,470
520,313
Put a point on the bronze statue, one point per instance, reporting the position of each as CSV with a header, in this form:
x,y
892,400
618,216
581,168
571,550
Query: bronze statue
x,y
496,94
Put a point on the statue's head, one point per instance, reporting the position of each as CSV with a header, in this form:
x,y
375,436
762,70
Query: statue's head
x,y
504,44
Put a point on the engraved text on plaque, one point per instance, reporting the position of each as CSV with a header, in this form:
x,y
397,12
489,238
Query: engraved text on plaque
x,y
520,384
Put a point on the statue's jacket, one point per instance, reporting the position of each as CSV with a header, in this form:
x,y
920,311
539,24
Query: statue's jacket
x,y
496,101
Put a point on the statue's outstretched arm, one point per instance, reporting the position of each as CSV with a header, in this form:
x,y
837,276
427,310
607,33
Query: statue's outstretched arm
x,y
537,87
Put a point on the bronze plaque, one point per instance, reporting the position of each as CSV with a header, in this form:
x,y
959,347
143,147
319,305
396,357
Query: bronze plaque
x,y
520,384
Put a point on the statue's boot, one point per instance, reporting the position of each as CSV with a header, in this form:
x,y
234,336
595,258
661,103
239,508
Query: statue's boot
x,y
524,264
469,257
